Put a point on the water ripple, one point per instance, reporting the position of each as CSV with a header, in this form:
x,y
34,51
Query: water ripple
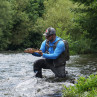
x,y
17,77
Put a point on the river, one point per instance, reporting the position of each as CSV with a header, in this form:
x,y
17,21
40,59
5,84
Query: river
x,y
17,77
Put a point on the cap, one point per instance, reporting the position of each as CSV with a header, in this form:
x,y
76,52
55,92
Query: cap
x,y
49,31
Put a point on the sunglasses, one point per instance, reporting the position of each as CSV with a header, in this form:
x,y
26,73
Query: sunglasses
x,y
48,36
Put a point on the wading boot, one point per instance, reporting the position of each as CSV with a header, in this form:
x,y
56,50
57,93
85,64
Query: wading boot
x,y
38,74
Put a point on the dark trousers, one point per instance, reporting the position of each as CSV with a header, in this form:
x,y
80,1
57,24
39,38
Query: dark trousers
x,y
48,64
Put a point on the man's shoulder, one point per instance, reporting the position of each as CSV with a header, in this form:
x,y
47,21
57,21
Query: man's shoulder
x,y
60,40
60,43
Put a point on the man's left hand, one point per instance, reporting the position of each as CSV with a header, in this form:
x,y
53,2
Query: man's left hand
x,y
39,51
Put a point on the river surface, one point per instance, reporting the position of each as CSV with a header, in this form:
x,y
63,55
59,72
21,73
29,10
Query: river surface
x,y
17,78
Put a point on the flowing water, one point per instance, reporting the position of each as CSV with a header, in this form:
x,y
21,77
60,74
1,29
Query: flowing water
x,y
17,77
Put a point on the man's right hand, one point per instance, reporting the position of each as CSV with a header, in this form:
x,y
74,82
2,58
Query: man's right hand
x,y
39,52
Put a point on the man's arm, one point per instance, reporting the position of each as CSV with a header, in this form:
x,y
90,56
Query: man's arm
x,y
59,49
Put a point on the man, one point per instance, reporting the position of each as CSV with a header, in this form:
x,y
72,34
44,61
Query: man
x,y
52,56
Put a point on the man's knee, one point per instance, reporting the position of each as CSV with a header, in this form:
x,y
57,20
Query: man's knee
x,y
60,72
38,63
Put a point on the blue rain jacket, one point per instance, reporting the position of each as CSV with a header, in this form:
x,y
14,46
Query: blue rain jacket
x,y
53,54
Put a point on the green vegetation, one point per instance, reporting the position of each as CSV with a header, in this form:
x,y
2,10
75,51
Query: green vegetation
x,y
17,24
87,20
5,23
85,87
23,22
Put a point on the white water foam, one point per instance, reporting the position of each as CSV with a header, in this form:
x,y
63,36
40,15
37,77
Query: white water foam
x,y
37,87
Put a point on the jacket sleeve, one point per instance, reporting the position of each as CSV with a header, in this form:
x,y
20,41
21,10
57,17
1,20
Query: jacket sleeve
x,y
59,49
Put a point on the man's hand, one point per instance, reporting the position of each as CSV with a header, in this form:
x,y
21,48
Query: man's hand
x,y
39,51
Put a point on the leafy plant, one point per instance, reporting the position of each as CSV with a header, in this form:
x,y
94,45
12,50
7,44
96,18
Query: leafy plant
x,y
85,87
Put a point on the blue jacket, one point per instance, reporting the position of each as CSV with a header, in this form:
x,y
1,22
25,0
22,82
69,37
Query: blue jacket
x,y
53,54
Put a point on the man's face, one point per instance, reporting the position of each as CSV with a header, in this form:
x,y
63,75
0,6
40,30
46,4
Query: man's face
x,y
49,38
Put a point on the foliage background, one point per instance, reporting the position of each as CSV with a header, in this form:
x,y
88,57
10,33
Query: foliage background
x,y
22,23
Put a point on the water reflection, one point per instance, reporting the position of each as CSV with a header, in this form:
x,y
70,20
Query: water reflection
x,y
17,77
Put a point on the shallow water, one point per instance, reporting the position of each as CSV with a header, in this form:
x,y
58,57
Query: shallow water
x,y
17,77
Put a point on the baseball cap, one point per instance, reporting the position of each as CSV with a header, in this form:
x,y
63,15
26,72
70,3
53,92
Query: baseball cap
x,y
49,31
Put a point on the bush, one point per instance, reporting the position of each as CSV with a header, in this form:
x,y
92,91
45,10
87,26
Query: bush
x,y
85,87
